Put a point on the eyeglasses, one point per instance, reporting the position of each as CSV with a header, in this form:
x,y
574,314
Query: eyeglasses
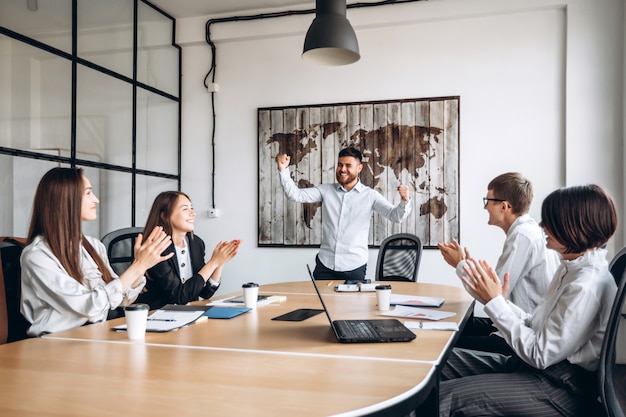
x,y
487,200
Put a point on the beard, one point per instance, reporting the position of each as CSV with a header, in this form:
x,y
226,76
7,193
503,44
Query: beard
x,y
343,180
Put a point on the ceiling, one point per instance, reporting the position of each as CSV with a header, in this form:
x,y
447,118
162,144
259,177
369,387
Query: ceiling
x,y
189,8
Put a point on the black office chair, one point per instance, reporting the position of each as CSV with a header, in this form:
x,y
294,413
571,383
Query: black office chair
x,y
399,258
618,265
612,368
13,325
120,246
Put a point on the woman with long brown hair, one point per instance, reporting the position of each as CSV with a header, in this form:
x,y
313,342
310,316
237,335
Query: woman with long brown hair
x,y
66,277
185,276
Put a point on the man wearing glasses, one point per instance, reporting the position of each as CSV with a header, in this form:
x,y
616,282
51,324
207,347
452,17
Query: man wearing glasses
x,y
524,256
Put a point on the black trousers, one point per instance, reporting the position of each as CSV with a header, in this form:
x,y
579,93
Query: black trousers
x,y
477,335
322,272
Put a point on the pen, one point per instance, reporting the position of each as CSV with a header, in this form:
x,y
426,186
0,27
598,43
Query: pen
x,y
161,319
330,283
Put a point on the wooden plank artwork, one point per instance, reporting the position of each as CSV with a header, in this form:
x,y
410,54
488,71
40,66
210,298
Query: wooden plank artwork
x,y
410,141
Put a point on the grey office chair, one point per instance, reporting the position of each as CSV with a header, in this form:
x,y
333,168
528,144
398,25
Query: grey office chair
x,y
13,325
612,368
120,246
399,258
618,265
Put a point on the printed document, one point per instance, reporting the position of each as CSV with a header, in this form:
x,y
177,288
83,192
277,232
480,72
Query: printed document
x,y
417,313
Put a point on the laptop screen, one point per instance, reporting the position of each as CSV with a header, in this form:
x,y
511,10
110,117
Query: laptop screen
x,y
319,295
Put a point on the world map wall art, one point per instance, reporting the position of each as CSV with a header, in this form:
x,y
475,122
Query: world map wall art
x,y
408,141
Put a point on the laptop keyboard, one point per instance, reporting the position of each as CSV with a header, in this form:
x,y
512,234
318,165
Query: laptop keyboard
x,y
358,329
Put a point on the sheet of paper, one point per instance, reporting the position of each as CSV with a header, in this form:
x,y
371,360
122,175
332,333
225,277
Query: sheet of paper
x,y
226,303
415,300
165,320
171,317
347,288
356,287
417,313
431,325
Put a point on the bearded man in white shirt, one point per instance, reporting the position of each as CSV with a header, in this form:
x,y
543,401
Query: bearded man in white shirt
x,y
524,256
347,207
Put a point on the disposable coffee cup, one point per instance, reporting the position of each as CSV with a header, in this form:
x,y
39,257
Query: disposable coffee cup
x,y
250,294
383,296
136,318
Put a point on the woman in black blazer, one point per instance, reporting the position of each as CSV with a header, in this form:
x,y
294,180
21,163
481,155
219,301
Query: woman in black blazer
x,y
185,276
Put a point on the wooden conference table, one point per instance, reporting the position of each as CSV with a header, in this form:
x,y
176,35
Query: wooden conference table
x,y
248,365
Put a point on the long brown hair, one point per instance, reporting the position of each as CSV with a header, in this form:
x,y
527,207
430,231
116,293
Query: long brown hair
x,y
57,217
161,211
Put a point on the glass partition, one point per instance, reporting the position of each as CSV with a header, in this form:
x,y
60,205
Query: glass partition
x,y
35,97
157,132
105,34
115,194
111,105
18,180
147,190
104,117
46,21
157,58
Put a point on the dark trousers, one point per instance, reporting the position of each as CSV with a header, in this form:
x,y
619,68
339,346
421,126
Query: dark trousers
x,y
475,383
477,335
322,272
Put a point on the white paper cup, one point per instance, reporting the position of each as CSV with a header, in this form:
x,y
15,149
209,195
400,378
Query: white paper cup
x,y
383,296
136,318
250,294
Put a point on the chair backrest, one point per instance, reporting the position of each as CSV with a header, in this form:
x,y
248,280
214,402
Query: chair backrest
x,y
13,325
618,265
120,246
399,258
612,368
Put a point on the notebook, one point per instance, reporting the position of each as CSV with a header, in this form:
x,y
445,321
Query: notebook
x,y
217,312
365,331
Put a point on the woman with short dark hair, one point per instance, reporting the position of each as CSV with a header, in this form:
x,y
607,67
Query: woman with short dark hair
x,y
556,347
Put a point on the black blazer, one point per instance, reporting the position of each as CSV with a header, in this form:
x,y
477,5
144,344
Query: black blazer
x,y
164,285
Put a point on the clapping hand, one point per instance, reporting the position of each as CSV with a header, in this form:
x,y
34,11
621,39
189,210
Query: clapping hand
x,y
453,253
483,281
148,252
225,251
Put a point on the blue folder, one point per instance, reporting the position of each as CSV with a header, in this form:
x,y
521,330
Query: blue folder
x,y
217,312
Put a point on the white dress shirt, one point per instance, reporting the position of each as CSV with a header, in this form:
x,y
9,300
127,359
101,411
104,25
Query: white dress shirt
x,y
570,321
345,219
528,261
54,301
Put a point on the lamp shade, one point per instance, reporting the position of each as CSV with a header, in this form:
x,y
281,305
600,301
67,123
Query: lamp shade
x,y
330,39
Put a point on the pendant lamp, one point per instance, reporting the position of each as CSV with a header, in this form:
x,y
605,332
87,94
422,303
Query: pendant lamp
x,y
331,40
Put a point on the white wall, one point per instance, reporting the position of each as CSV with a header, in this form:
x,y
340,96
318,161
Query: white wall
x,y
541,87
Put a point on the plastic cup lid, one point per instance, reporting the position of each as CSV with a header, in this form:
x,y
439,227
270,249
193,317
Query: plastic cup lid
x,y
137,307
